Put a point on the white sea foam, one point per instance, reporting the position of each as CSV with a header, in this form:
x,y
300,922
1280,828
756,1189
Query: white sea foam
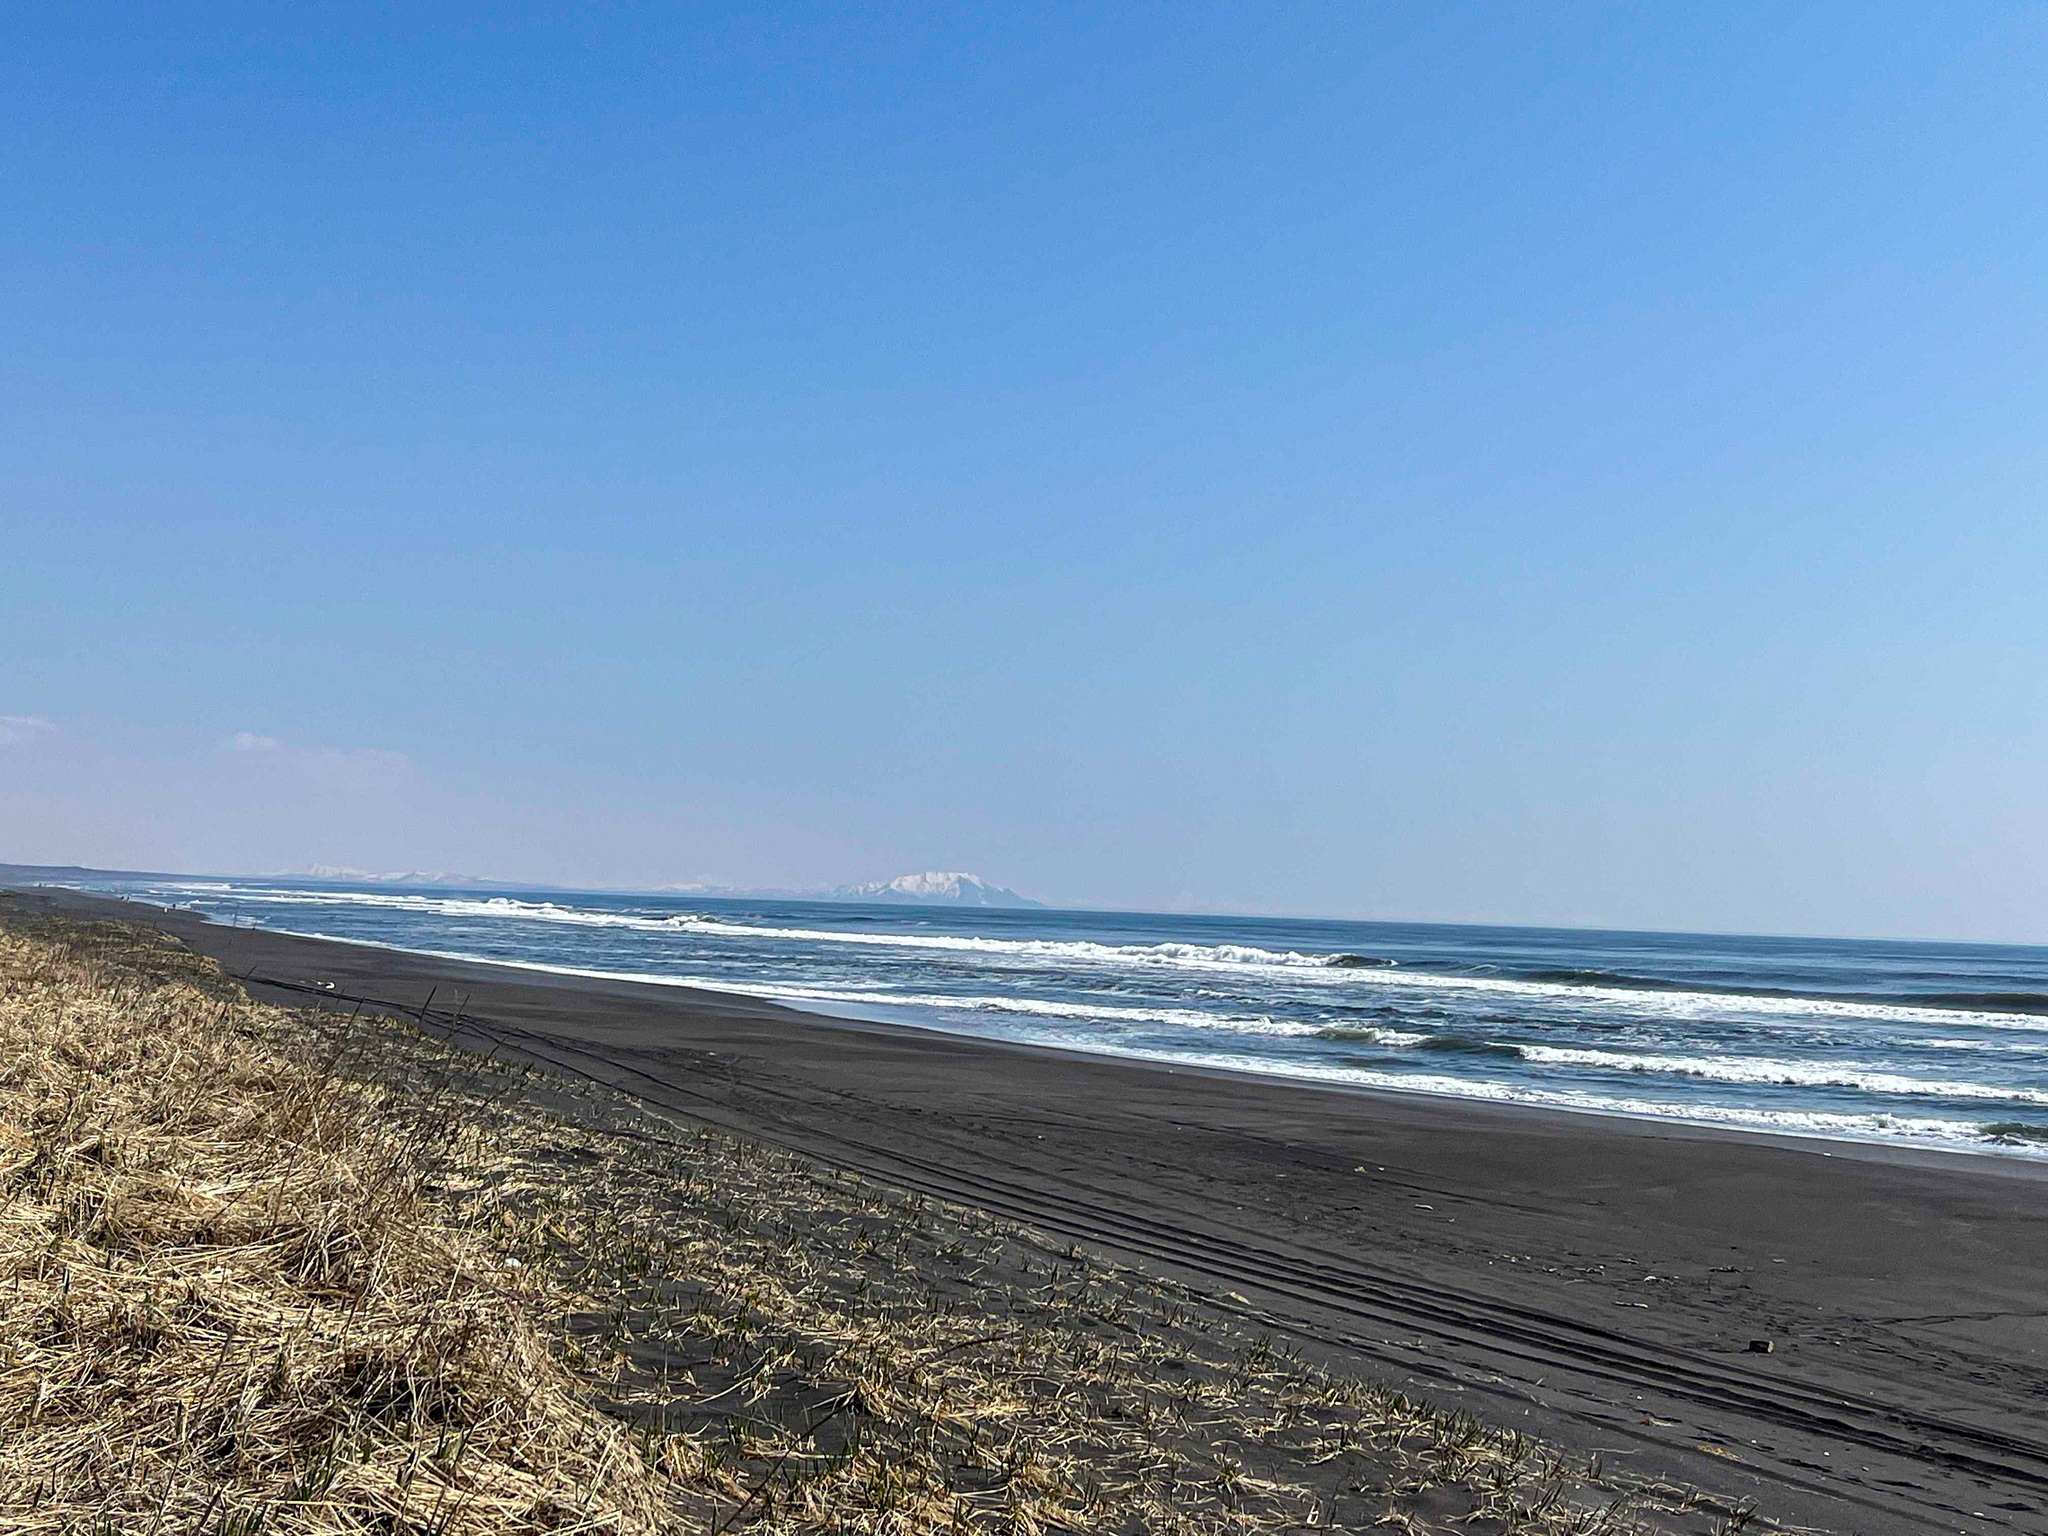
x,y
1185,1018
1753,1069
1366,1034
1198,956
2003,1047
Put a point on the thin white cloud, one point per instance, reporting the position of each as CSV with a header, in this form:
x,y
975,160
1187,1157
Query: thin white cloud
x,y
249,741
16,729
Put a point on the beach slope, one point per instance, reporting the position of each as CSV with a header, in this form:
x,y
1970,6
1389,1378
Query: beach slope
x,y
1600,1282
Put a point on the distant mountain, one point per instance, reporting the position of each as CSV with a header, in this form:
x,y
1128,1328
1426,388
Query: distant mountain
x,y
936,888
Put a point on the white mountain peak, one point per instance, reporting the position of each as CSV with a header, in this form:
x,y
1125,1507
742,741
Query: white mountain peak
x,y
950,887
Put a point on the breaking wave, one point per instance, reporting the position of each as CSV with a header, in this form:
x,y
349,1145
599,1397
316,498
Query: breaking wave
x,y
2015,1133
1803,1074
1366,1035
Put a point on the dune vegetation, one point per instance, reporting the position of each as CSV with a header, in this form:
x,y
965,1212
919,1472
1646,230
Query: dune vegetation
x,y
292,1270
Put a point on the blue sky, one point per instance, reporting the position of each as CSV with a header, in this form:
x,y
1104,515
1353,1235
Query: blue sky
x,y
1468,463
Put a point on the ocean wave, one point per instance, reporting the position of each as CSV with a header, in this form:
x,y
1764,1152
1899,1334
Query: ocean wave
x,y
2006,1003
1184,1018
1227,957
1467,1045
1591,976
1982,1002
883,998
1402,1039
1800,1074
1366,1035
1395,1010
2015,1133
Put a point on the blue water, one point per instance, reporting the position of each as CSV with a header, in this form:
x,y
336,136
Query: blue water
x,y
1929,1044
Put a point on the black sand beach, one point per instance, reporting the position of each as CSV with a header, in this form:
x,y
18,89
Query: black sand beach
x,y
1597,1281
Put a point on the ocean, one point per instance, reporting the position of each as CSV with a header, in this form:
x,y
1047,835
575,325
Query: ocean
x,y
1932,1045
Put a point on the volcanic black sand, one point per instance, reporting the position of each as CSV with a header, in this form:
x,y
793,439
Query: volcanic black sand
x,y
1595,1280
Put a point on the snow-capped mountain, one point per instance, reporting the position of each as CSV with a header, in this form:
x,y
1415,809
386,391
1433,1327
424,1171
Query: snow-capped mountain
x,y
937,888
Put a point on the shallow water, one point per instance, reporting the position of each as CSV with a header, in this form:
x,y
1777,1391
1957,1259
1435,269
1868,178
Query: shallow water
x,y
1929,1044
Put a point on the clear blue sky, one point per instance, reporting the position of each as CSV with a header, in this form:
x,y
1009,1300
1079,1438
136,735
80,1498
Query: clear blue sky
x,y
1515,462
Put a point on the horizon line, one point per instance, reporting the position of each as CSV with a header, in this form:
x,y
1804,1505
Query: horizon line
x,y
822,895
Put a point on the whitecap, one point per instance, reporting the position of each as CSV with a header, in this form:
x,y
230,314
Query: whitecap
x,y
1764,1070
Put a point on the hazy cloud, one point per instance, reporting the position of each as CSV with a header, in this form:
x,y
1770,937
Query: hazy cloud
x,y
249,741
16,729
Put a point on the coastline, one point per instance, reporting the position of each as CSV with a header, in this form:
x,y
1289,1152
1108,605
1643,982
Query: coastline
x,y
1593,1277
1931,1046
2019,1162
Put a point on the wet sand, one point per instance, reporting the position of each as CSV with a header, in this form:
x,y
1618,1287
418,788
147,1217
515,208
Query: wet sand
x,y
1595,1280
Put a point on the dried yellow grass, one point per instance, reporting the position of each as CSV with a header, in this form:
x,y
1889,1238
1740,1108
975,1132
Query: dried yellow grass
x,y
224,1305
268,1270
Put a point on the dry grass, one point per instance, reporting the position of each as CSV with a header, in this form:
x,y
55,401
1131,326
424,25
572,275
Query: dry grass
x,y
223,1306
326,1274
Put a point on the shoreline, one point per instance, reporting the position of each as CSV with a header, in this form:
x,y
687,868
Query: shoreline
x,y
1594,1278
2022,1161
